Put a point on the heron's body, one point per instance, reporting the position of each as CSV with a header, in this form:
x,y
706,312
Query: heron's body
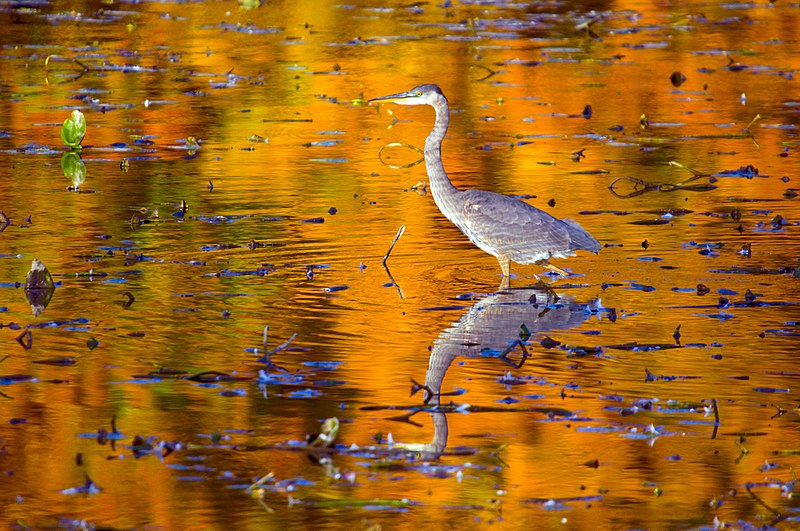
x,y
505,227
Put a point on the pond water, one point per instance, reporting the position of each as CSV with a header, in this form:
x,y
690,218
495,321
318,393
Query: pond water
x,y
230,151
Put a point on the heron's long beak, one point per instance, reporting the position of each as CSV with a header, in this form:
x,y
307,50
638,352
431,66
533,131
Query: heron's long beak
x,y
400,97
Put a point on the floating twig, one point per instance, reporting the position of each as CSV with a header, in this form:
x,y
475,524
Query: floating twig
x,y
587,27
641,187
84,69
268,353
400,232
754,120
260,482
504,355
749,132
401,166
778,516
687,168
25,339
716,418
489,72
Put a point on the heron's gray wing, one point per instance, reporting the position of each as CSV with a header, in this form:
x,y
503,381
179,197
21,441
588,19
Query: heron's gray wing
x,y
512,227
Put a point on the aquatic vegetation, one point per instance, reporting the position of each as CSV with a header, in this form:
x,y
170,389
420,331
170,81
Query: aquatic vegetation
x,y
236,184
74,169
73,130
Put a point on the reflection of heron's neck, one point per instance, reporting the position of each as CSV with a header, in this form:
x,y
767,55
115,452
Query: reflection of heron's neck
x,y
441,186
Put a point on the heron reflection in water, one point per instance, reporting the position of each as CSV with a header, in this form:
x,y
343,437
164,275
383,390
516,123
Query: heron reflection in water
x,y
506,228
487,330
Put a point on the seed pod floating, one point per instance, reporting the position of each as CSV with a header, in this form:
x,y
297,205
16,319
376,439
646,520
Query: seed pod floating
x,y
677,79
39,287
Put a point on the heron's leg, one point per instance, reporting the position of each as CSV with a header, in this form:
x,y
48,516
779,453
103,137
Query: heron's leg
x,y
505,283
505,265
547,265
552,296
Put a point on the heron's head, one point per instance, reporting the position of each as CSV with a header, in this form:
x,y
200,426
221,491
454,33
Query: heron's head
x,y
422,95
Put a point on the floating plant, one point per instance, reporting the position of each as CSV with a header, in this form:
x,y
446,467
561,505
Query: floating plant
x,y
73,130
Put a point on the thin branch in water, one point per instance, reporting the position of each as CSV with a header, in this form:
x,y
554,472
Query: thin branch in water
x,y
716,418
754,120
267,357
749,132
284,345
400,232
504,355
489,72
687,168
778,516
401,166
260,482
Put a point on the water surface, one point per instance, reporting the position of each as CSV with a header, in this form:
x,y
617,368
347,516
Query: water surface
x,y
256,119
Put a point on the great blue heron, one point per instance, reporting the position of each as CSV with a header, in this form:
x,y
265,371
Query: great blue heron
x,y
505,227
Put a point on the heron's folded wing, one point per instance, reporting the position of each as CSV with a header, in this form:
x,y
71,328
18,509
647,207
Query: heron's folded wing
x,y
512,227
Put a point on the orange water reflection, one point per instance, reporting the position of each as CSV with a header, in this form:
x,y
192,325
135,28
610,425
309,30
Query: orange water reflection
x,y
297,75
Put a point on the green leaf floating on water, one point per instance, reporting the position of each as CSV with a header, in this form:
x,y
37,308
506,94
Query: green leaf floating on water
x,y
74,169
74,129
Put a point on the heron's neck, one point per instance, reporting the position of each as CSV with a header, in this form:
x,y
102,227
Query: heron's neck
x,y
440,183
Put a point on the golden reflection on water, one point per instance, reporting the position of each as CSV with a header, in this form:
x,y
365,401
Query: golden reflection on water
x,y
297,75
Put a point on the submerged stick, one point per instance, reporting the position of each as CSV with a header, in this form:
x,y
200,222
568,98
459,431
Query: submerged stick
x,y
400,144
778,516
749,132
267,358
260,482
687,168
400,232
754,120
716,418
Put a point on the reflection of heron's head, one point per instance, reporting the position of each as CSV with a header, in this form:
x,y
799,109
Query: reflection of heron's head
x,y
427,94
433,450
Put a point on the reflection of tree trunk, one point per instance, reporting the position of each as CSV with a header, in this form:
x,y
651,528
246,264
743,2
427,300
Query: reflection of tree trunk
x,y
490,326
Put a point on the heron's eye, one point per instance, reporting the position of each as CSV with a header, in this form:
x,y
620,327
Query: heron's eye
x,y
419,93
